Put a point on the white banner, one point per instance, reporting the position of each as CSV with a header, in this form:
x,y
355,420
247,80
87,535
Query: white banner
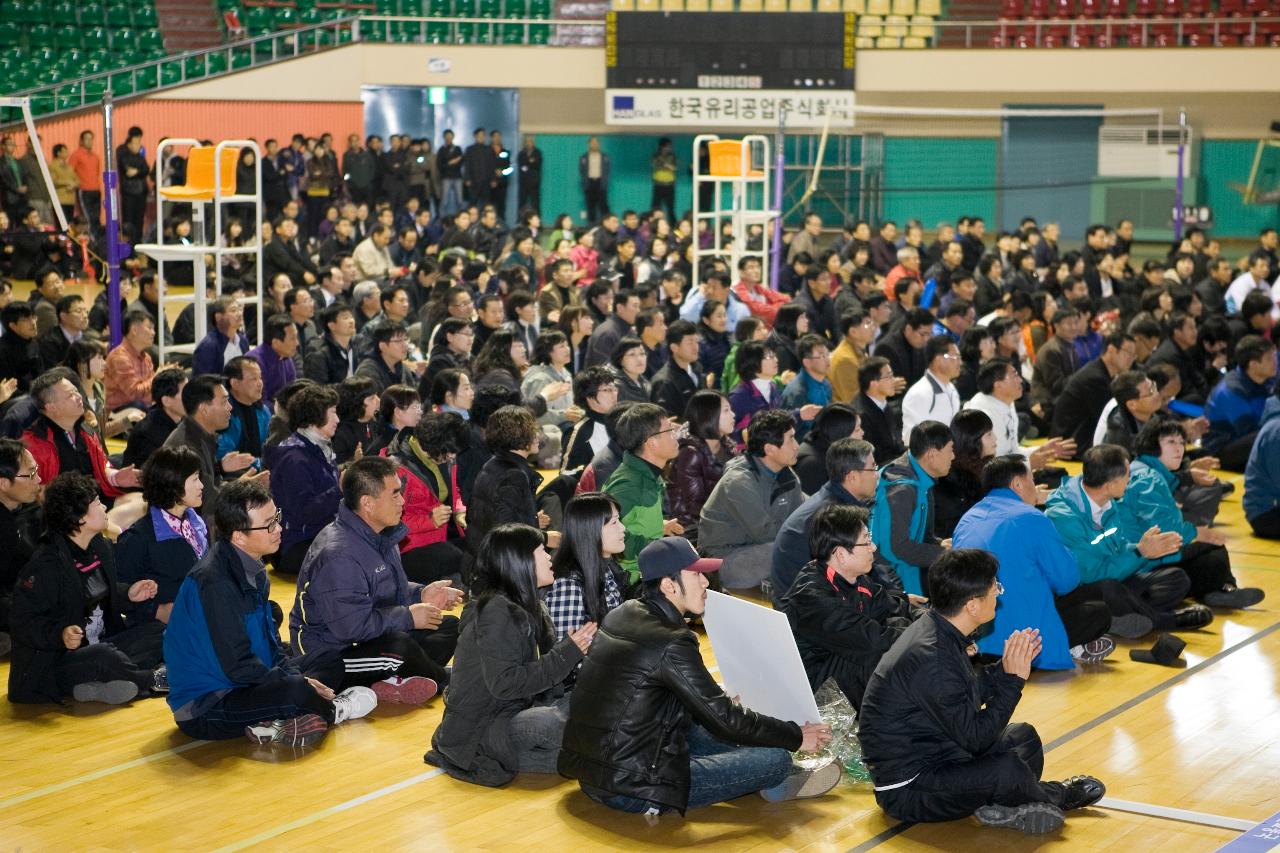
x,y
712,108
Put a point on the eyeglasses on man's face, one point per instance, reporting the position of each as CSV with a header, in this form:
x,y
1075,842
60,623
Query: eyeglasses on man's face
x,y
271,526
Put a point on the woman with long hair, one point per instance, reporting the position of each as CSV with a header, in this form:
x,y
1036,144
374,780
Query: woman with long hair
x,y
88,358
977,347
748,329
502,361
789,325
399,411
577,324
713,320
166,543
953,495
451,391
700,462
561,229
433,507
504,711
589,582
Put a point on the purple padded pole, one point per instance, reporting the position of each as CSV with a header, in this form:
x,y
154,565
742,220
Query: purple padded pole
x,y
775,255
115,249
1177,193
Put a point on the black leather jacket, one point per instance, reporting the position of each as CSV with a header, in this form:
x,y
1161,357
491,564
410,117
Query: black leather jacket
x,y
638,691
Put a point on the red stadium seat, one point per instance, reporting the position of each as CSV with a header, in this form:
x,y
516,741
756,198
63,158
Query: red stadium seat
x,y
1198,8
1105,36
1144,8
1054,36
1169,8
1091,8
1230,7
1255,8
1011,10
1198,35
1135,36
1119,8
1026,38
1082,37
1163,35
999,38
1063,9
1038,9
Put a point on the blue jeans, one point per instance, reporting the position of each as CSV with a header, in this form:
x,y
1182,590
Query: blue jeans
x,y
718,771
451,199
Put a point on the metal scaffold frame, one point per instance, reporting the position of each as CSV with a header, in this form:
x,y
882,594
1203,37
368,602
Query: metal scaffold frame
x,y
743,200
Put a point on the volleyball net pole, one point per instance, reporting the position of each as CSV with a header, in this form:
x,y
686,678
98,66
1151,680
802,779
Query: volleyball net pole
x,y
110,183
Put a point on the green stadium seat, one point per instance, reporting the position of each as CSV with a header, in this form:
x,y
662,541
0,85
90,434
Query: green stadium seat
x,y
412,8
94,37
439,8
286,18
373,31
540,9
515,9
63,13
345,35
195,67
119,17
121,85
67,36
31,12
68,96
540,34
123,40
511,34
9,12
91,13
148,78
217,62
491,8
385,7
41,35
228,5
464,33
10,32
145,16
403,32
258,20
304,5
242,57
310,17
464,8
94,89
170,73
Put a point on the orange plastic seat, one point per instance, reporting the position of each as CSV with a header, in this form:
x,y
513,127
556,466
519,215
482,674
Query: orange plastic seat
x,y
199,185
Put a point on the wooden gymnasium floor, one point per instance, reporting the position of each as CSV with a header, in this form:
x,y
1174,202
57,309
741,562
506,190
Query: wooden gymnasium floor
x,y
1200,738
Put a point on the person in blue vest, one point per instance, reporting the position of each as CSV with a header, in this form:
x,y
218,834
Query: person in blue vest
x,y
228,673
902,520
1109,542
1261,499
1041,580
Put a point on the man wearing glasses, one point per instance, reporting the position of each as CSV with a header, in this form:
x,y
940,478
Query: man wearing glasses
x,y
19,522
228,673
926,690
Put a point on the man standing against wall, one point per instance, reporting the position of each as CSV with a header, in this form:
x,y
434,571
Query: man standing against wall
x,y
593,172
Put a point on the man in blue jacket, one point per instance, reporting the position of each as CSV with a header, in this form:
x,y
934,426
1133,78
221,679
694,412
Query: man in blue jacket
x,y
1262,476
1235,405
1107,542
1040,577
902,521
355,602
227,671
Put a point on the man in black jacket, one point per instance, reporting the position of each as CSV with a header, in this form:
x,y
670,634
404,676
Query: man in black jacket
x,y
19,522
331,358
479,170
68,636
905,347
676,381
1077,410
926,691
1181,350
842,616
631,737
881,423
150,433
281,255
19,354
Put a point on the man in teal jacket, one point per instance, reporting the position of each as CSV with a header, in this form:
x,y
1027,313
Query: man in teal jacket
x,y
1107,542
902,521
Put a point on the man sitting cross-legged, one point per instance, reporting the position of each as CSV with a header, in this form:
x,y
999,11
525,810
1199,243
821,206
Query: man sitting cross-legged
x,y
354,600
935,731
227,671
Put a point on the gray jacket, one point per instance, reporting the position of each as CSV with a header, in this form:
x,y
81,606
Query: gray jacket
x,y
747,507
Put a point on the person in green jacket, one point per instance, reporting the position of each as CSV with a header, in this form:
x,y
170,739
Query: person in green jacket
x,y
1160,446
1105,538
648,440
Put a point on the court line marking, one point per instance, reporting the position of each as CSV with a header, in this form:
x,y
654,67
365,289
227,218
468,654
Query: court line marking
x,y
58,787
269,834
1155,690
1183,815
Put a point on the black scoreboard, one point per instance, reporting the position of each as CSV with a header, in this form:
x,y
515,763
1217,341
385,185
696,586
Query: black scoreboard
x,y
729,50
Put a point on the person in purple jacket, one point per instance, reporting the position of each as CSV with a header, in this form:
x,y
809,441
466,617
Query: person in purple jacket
x,y
354,599
304,475
275,354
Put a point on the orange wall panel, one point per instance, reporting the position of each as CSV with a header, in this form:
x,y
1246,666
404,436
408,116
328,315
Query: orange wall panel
x,y
214,120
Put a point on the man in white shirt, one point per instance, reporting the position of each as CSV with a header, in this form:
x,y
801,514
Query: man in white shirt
x,y
933,397
999,388
1254,279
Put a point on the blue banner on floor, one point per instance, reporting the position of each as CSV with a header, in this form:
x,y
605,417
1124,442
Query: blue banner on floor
x,y
1264,836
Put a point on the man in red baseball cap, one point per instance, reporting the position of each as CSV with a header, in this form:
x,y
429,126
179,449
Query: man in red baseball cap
x,y
649,729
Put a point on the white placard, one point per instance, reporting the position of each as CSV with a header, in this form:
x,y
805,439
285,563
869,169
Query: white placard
x,y
710,108
758,658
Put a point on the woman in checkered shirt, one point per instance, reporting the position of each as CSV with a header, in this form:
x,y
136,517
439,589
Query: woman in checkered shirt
x,y
589,582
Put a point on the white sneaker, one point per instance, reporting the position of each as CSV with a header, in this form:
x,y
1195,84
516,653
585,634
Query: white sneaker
x,y
353,703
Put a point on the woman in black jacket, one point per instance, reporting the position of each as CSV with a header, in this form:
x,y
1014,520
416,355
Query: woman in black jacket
x,y
68,637
834,422
629,361
977,347
507,484
358,403
501,361
956,493
700,462
503,710
170,539
789,325
716,341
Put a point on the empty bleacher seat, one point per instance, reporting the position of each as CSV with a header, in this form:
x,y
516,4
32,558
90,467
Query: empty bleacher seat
x,y
895,26
829,5
870,26
905,8
800,6
624,5
888,43
922,26
914,42
855,7
775,5
697,6
878,7
750,5
647,5
723,6
672,5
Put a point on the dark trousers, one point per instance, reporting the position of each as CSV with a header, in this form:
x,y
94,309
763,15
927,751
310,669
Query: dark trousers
x,y
91,209
1267,525
596,196
1154,594
1235,456
1200,503
130,655
1207,566
1007,774
279,699
1084,613
664,195
436,561
316,205
133,210
529,194
289,561
399,653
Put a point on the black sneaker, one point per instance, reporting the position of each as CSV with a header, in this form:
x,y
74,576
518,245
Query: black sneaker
x,y
106,692
1029,818
1232,597
1081,791
6,644
1192,617
160,679
1131,626
1093,651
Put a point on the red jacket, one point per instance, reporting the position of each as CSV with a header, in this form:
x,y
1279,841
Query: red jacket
x,y
419,500
760,301
39,440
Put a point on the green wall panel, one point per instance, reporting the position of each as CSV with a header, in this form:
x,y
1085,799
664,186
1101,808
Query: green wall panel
x,y
937,180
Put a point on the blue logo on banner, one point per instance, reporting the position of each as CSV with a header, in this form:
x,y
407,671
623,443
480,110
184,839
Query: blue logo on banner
x,y
624,102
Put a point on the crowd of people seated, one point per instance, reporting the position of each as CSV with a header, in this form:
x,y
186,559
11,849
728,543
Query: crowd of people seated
x,y
555,427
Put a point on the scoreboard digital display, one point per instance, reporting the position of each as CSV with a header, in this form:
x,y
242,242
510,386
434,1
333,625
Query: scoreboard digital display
x,y
729,51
